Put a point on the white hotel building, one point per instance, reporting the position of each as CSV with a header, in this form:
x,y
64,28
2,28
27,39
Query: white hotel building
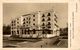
x,y
37,24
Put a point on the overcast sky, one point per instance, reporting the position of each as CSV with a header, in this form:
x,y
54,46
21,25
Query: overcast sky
x,y
12,10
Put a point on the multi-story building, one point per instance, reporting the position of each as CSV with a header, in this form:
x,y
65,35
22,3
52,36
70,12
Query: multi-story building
x,y
37,24
15,26
30,24
49,23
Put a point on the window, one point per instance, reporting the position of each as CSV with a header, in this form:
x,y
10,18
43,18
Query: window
x,y
33,23
55,19
24,19
22,31
43,32
25,31
17,22
43,24
43,19
43,15
24,23
49,23
43,27
49,26
33,19
12,24
49,32
55,15
33,15
12,21
12,32
17,31
49,14
12,27
18,26
56,25
34,31
49,19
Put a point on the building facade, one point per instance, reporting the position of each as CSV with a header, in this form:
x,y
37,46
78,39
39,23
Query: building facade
x,y
37,24
15,26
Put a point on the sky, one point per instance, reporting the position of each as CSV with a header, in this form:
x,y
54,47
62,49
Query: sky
x,y
13,10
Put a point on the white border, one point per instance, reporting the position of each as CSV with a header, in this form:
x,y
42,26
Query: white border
x,y
71,8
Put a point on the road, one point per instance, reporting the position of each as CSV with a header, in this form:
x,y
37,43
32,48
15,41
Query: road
x,y
43,43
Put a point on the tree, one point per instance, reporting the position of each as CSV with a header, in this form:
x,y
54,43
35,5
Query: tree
x,y
64,31
6,29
